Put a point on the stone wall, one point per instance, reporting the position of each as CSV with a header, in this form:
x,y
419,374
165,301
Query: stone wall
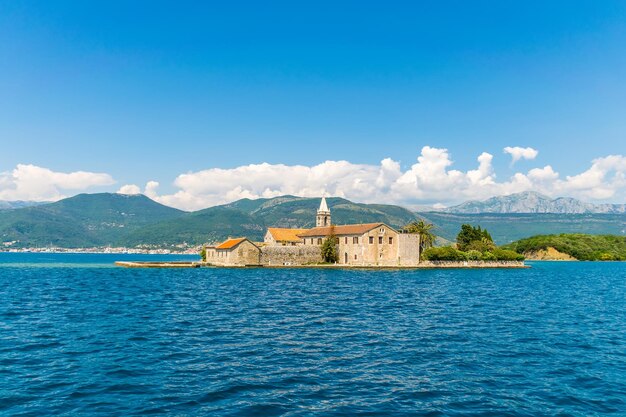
x,y
473,264
290,255
408,249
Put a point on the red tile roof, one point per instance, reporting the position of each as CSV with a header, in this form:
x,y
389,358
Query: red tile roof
x,y
230,243
285,235
348,229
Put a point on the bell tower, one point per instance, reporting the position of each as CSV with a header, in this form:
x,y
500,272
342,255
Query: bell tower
x,y
323,215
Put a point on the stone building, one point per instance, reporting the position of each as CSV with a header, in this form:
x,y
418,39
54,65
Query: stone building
x,y
371,244
234,252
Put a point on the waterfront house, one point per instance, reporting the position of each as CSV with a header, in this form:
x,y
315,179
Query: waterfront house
x,y
234,252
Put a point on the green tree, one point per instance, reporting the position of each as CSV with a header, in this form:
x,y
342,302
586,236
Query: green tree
x,y
469,234
427,238
329,247
203,254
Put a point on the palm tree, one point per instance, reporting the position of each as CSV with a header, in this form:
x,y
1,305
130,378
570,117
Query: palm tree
x,y
427,238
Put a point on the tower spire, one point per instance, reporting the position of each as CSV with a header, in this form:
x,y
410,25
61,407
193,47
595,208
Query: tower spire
x,y
323,214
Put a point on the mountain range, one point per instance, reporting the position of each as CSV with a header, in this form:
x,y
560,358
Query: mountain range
x,y
8,205
533,202
89,220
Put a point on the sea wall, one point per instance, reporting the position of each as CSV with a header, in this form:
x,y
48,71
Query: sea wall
x,y
472,264
290,255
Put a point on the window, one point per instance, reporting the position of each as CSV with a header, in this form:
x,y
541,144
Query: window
x,y
382,230
380,240
311,241
319,240
390,240
371,240
345,240
355,256
355,240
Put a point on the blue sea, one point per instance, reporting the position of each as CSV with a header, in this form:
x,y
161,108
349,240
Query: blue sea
x,y
79,336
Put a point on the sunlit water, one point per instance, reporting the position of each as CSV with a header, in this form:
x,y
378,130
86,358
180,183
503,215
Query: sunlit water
x,y
80,337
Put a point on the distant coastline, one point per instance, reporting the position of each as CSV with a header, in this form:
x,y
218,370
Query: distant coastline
x,y
127,251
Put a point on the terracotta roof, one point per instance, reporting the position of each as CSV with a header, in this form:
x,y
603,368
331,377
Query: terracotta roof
x,y
285,235
348,229
230,243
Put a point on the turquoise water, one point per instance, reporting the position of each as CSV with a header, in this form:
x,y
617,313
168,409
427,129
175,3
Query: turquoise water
x,y
79,337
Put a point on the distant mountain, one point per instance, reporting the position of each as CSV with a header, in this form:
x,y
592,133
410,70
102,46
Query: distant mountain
x,y
252,217
533,202
82,221
89,220
9,205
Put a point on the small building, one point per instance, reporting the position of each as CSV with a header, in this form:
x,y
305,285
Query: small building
x,y
234,252
277,236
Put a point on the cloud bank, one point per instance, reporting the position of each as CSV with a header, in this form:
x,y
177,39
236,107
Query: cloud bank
x,y
430,180
33,183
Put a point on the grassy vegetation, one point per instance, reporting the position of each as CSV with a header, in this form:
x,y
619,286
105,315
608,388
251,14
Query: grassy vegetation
x,y
580,246
448,253
472,244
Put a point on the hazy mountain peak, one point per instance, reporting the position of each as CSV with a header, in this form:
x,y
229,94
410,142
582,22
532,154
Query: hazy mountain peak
x,y
9,205
534,202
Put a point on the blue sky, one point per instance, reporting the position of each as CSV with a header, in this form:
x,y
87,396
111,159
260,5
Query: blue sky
x,y
147,91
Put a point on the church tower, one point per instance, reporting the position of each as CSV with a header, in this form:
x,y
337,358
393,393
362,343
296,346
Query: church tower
x,y
323,215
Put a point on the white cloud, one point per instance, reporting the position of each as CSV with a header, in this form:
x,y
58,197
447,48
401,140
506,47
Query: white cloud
x,y
129,189
428,181
30,182
518,153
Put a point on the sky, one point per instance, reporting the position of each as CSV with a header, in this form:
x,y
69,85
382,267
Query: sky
x,y
412,103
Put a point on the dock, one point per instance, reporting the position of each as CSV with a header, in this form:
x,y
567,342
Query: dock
x,y
153,264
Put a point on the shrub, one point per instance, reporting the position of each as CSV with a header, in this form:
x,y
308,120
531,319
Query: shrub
x,y
480,246
474,255
606,257
489,256
506,255
446,253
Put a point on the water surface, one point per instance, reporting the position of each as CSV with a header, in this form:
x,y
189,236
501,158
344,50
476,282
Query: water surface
x,y
79,337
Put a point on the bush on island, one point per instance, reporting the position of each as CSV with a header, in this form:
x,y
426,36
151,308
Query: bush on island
x,y
446,253
488,256
507,255
481,246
